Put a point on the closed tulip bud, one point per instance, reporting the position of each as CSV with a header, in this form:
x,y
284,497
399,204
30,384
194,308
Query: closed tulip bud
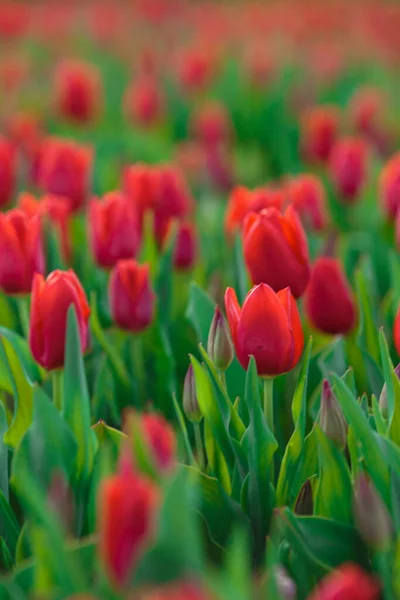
x,y
195,69
211,124
161,439
389,187
329,301
319,132
131,296
383,400
127,506
219,345
143,102
139,188
286,586
307,194
113,230
331,418
371,516
304,502
276,251
21,251
347,582
51,299
243,201
267,327
77,91
171,196
190,402
185,247
8,171
64,170
348,167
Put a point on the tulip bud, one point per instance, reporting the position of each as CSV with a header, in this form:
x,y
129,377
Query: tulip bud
x,y
212,124
190,402
286,586
371,516
307,194
185,247
143,102
219,345
157,435
319,131
389,186
331,419
383,402
131,296
347,582
305,503
77,90
348,167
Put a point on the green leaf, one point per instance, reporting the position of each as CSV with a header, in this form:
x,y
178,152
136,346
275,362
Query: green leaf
x,y
393,391
367,327
200,312
242,284
76,406
9,526
3,454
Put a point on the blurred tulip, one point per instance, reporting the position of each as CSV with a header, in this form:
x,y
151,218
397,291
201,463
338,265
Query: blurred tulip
x,y
51,299
243,201
319,132
285,584
143,102
61,500
25,131
220,166
389,187
195,69
77,91
371,516
211,124
329,301
113,230
367,109
185,247
64,170
347,582
307,194
331,418
276,251
176,591
21,251
127,506
131,296
172,198
139,188
396,331
190,401
156,433
8,171
268,327
348,167
219,344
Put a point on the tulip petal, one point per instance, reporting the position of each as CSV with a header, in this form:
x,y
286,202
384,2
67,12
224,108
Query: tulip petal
x,y
233,311
294,322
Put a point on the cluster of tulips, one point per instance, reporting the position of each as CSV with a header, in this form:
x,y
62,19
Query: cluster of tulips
x,y
199,301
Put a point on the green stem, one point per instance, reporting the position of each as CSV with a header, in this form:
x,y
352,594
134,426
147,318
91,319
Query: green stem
x,y
23,311
269,412
222,379
58,380
138,366
199,445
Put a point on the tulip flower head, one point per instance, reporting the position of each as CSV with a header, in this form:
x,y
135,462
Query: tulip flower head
x,y
77,91
139,188
348,167
243,201
347,582
267,327
396,331
211,124
329,301
319,131
185,247
389,187
51,299
143,102
190,401
219,344
377,532
308,196
276,250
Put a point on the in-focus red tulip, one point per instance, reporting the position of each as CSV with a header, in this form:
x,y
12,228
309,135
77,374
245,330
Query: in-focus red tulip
x,y
131,296
348,167
307,194
51,299
8,170
349,582
65,169
185,247
389,187
21,251
77,90
127,507
113,230
143,102
267,327
211,124
329,301
243,201
276,251
319,132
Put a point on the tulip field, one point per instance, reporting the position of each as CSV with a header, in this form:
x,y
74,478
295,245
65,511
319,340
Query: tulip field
x,y
200,300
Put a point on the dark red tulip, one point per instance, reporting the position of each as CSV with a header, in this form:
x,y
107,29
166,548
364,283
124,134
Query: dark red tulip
x,y
113,230
243,201
21,251
319,132
64,170
51,299
307,194
185,247
329,300
143,102
389,187
131,296
8,171
348,582
348,167
127,506
267,327
77,90
276,251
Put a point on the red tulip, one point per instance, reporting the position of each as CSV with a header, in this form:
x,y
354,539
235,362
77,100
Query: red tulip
x,y
64,170
21,251
243,201
185,247
177,591
127,505
211,124
8,171
143,102
195,69
77,90
131,296
349,582
319,131
348,167
51,299
396,331
220,167
267,327
307,194
172,198
25,131
389,185
158,435
276,251
366,107
113,229
329,301
139,188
